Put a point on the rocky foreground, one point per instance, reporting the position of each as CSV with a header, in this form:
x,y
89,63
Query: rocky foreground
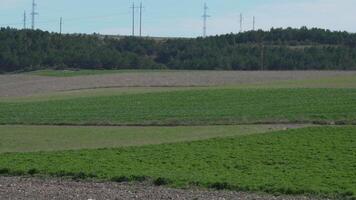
x,y
21,188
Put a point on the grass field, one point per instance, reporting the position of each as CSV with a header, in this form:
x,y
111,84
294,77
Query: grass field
x,y
50,138
99,92
212,148
225,106
339,82
316,161
24,85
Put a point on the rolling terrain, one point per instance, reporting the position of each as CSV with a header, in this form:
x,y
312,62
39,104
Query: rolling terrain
x,y
313,161
256,134
50,82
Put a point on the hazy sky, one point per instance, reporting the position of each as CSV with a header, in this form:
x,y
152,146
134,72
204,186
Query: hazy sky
x,y
180,17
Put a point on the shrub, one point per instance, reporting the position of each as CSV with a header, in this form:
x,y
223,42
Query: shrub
x,y
120,179
4,171
220,186
161,181
32,172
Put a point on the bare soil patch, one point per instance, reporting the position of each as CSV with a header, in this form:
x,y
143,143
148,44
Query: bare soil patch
x,y
27,85
21,188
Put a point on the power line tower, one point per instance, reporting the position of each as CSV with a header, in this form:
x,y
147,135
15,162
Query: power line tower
x,y
254,23
141,7
33,14
60,25
133,7
241,21
205,17
24,19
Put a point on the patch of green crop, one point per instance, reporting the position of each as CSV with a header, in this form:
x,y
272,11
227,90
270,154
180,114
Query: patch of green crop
x,y
51,138
210,106
317,161
73,94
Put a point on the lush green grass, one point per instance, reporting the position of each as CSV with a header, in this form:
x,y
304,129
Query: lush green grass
x,y
317,160
49,138
62,95
226,106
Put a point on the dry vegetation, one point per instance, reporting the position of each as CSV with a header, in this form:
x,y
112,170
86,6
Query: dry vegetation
x,y
27,85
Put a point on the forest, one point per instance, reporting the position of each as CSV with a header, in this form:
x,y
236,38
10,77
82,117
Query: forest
x,y
276,49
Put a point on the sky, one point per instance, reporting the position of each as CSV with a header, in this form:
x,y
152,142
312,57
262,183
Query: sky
x,y
180,18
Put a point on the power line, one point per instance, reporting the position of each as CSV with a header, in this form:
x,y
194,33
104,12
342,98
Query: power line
x,y
77,19
205,17
33,14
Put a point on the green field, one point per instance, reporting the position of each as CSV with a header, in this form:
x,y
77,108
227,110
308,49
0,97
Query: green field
x,y
50,138
100,92
317,161
192,107
255,137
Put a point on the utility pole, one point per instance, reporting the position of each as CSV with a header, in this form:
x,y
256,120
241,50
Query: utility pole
x,y
241,20
141,19
24,19
205,17
254,23
33,14
60,25
133,18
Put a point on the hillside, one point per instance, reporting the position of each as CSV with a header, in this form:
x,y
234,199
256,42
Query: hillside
x,y
277,49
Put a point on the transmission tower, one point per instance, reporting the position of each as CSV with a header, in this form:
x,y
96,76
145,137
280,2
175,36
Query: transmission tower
x,y
254,23
133,18
141,19
33,14
60,25
241,21
205,17
24,19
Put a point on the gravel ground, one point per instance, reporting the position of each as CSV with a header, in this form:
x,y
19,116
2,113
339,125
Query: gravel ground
x,y
20,188
27,85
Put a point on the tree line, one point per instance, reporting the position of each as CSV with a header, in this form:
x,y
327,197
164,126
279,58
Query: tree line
x,y
277,49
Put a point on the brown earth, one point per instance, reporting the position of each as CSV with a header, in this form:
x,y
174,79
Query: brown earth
x,y
43,189
27,85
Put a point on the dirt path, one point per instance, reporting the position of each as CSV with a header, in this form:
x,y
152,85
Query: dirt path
x,y
44,189
26,85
